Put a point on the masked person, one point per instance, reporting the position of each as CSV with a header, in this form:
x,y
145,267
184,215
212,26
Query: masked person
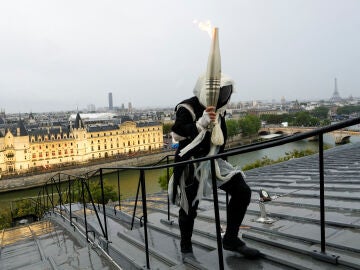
x,y
193,128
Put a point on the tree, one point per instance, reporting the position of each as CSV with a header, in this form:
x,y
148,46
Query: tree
x,y
95,189
275,119
5,218
163,181
305,119
348,109
320,112
167,128
250,125
232,127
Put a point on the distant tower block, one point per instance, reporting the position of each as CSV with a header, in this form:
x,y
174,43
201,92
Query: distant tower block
x,y
129,107
336,96
110,101
283,100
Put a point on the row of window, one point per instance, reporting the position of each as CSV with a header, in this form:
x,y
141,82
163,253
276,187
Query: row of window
x,y
52,138
52,146
123,132
53,153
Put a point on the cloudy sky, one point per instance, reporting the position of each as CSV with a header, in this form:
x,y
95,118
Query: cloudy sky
x,y
60,55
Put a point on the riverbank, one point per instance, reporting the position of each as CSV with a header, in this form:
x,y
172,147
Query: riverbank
x,y
30,181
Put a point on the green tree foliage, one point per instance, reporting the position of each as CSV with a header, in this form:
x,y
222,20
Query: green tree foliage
x,y
5,218
250,125
167,128
265,161
275,119
320,112
20,208
233,127
305,119
163,180
95,189
23,208
325,122
348,110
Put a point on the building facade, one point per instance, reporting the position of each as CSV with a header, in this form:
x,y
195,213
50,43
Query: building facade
x,y
23,150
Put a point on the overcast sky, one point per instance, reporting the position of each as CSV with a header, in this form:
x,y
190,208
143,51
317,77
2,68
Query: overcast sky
x,y
60,55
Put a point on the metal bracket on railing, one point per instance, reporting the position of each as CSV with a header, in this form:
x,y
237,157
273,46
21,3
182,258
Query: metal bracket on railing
x,y
167,222
323,256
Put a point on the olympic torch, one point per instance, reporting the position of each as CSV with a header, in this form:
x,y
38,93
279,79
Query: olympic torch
x,y
213,72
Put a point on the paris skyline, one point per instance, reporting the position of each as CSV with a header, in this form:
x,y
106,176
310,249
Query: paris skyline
x,y
65,55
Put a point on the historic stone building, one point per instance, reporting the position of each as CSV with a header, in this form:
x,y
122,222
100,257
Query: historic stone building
x,y
23,150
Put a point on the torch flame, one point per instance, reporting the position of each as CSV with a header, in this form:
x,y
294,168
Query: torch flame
x,y
205,26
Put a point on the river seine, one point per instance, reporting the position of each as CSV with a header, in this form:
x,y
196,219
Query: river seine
x,y
129,179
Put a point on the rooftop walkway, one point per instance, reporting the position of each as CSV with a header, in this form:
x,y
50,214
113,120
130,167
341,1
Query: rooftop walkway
x,y
46,245
290,241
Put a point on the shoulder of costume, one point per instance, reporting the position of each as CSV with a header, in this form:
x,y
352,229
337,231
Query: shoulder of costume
x,y
193,101
194,104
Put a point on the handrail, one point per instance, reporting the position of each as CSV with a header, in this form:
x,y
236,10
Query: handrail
x,y
167,157
251,147
258,146
231,152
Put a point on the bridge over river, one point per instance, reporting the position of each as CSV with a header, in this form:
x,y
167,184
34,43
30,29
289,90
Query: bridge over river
x,y
340,136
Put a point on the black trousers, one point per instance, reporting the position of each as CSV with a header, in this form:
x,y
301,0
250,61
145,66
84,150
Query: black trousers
x,y
240,194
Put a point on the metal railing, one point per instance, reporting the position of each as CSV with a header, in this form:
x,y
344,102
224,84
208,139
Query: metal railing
x,y
66,195
69,189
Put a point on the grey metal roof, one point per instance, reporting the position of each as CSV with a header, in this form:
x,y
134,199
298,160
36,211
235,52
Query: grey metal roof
x,y
46,245
78,122
147,124
97,128
287,243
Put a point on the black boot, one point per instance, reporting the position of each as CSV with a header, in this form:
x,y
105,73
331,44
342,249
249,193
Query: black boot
x,y
186,246
239,246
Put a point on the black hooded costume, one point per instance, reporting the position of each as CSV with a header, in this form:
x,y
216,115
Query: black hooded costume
x,y
188,179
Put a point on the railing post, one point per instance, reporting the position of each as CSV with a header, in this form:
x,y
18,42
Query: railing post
x,y
47,198
103,203
143,195
322,255
70,198
43,193
168,178
52,194
217,216
60,195
84,203
322,195
95,209
118,182
136,200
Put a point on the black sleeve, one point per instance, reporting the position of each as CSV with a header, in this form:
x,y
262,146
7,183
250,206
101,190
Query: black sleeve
x,y
184,124
224,130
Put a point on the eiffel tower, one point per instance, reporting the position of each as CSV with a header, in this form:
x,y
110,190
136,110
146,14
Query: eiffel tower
x,y
336,96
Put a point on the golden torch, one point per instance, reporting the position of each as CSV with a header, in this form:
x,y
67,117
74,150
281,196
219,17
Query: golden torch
x,y
212,81
213,72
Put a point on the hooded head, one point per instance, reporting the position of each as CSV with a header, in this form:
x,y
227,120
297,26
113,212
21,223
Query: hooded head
x,y
226,89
